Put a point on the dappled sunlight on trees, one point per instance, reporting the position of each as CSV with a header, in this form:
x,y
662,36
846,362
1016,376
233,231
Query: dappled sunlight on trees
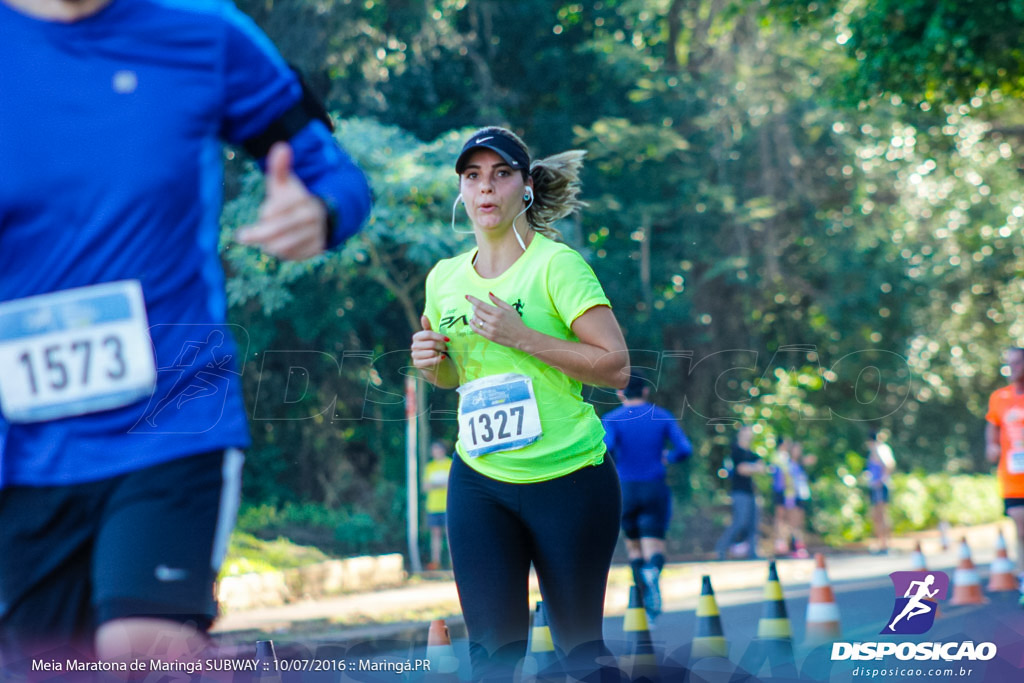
x,y
802,217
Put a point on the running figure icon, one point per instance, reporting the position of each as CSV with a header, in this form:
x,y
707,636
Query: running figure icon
x,y
916,605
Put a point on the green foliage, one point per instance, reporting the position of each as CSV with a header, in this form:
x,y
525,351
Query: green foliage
x,y
918,501
938,51
698,516
921,501
772,253
931,52
840,511
248,554
345,531
327,339
350,530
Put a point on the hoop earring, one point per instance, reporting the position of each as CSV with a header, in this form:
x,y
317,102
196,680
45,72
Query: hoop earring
x,y
454,207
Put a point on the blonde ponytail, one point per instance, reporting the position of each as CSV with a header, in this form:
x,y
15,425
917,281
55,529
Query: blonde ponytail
x,y
556,189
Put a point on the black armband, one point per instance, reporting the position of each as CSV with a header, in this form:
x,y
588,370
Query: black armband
x,y
332,220
294,119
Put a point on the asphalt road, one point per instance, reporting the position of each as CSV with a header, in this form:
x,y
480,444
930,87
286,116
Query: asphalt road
x,y
864,595
865,606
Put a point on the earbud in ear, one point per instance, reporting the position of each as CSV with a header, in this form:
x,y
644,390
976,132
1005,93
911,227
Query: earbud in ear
x,y
528,196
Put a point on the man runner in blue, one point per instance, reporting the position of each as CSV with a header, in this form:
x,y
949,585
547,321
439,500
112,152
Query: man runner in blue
x,y
122,415
638,435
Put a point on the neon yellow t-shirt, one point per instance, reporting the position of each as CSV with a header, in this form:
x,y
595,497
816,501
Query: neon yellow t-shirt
x,y
550,286
436,476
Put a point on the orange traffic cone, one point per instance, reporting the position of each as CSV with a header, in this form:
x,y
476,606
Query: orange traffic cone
x,y
1001,576
822,610
966,586
917,563
444,665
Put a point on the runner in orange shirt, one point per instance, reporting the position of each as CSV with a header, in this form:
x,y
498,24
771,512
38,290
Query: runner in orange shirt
x,y
1004,443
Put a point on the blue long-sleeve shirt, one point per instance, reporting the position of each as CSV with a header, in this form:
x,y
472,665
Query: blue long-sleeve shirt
x,y
637,436
111,132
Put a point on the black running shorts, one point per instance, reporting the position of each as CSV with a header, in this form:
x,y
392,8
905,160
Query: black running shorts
x,y
143,544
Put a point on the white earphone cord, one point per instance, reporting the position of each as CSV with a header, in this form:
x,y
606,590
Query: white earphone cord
x,y
454,207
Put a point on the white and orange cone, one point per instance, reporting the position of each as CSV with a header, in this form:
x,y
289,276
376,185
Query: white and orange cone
x,y
822,610
917,563
966,586
1001,576
444,665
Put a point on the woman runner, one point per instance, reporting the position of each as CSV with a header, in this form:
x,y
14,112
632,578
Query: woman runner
x,y
517,325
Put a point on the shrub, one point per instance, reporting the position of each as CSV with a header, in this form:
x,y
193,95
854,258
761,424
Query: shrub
x,y
248,554
917,501
369,529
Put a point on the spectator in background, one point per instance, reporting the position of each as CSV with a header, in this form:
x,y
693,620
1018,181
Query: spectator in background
x,y
881,465
798,513
745,464
436,484
784,479
1004,444
643,438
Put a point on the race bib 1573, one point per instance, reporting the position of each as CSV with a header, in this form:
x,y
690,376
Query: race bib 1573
x,y
75,352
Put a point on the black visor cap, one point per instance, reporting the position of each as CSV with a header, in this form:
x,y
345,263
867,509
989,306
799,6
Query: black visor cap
x,y
503,146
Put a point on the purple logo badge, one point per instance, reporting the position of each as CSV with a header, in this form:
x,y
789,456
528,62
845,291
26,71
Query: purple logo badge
x,y
917,596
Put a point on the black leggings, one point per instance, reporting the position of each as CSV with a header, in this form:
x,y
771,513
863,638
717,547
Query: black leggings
x,y
567,527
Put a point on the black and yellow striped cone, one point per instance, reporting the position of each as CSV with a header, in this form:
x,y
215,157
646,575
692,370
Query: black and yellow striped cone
x,y
774,622
541,664
708,639
641,664
774,641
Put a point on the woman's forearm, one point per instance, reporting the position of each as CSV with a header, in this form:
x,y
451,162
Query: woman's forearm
x,y
584,362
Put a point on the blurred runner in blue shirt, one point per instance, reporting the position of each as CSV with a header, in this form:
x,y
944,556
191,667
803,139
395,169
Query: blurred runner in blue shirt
x,y
122,414
642,439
